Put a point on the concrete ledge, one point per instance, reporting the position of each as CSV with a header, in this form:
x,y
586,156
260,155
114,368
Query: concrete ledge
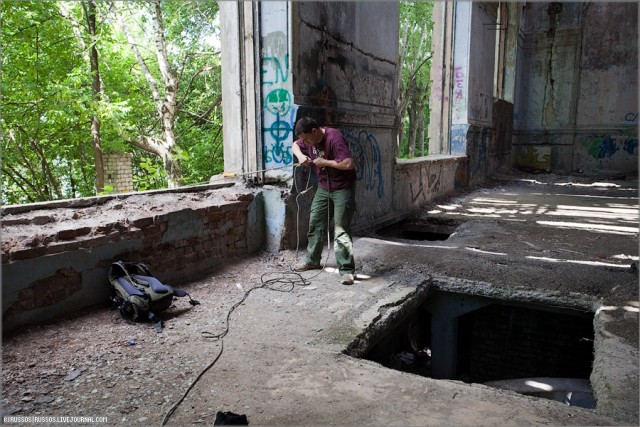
x,y
55,256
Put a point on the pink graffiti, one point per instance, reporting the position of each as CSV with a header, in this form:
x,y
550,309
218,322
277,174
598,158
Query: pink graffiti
x,y
459,78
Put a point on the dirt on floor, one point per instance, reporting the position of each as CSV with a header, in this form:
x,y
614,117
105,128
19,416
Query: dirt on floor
x,y
271,344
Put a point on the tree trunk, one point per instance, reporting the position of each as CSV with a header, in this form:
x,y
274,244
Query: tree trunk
x,y
420,135
401,103
166,105
96,140
422,104
414,117
168,108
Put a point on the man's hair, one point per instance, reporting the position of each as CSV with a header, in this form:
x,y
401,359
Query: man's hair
x,y
305,125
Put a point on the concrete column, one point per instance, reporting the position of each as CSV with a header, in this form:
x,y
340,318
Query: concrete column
x,y
441,62
473,71
512,25
240,94
445,310
278,109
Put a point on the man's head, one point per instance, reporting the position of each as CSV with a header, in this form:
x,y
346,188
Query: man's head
x,y
309,131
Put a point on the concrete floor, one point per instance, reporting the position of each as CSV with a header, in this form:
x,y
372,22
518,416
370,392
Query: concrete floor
x,y
290,355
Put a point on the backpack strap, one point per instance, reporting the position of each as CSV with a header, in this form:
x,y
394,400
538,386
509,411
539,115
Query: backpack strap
x,y
156,321
182,293
157,286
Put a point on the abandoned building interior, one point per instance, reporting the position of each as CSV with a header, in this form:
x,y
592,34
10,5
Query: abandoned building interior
x,y
497,277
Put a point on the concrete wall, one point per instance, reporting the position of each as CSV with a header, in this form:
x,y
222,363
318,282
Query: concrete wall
x,y
423,181
55,257
344,63
576,101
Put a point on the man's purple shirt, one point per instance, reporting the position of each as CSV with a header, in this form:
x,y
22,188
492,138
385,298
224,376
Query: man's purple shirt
x,y
333,147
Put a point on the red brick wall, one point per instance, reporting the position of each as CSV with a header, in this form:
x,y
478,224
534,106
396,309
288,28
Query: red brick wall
x,y
66,268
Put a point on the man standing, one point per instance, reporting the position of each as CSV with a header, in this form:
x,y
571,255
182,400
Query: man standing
x,y
325,149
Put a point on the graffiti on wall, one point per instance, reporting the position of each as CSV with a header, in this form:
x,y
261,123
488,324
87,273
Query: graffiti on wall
x,y
275,70
458,139
630,145
601,148
606,146
366,155
277,147
278,109
537,157
458,90
631,117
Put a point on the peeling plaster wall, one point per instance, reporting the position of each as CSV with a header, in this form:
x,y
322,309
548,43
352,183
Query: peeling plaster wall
x,y
576,102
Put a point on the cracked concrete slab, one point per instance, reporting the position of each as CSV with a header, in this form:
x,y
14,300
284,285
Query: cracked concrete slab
x,y
286,359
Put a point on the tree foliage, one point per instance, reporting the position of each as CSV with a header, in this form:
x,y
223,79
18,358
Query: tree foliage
x,y
49,98
44,114
414,59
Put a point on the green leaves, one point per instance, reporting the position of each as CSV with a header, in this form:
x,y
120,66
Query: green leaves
x,y
48,103
148,173
416,27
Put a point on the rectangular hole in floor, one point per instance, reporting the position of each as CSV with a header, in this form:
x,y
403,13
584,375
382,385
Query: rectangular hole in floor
x,y
533,349
430,229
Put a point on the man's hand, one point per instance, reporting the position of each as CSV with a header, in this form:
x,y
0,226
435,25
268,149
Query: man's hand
x,y
321,163
304,161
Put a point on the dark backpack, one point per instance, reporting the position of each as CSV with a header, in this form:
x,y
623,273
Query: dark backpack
x,y
139,296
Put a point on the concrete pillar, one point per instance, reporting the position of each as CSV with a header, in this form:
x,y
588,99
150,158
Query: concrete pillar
x,y
240,91
512,25
441,62
278,109
445,310
473,71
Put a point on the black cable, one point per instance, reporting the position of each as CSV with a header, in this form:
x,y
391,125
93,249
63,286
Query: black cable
x,y
285,282
175,406
287,278
295,184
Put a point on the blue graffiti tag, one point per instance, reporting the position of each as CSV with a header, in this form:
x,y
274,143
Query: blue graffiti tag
x,y
607,148
278,153
630,145
279,131
458,139
366,156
